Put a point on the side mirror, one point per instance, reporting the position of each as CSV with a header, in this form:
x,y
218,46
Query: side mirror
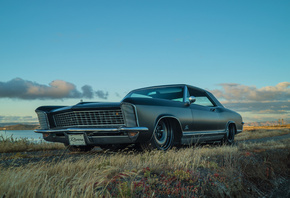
x,y
191,100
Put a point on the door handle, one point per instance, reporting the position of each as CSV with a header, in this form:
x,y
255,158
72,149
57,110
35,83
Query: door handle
x,y
212,109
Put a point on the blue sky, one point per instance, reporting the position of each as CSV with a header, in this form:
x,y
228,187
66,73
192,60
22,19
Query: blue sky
x,y
115,46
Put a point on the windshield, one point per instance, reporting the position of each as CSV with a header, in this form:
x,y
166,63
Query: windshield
x,y
167,93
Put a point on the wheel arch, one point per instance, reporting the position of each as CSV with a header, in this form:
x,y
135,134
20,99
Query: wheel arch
x,y
231,123
175,124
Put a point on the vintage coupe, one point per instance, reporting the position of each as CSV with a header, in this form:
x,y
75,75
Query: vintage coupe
x,y
156,117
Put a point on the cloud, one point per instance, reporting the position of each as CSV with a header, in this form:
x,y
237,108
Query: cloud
x,y
238,92
102,94
58,89
271,102
87,91
260,107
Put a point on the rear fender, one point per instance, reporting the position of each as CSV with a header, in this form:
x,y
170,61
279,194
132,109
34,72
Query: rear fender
x,y
227,125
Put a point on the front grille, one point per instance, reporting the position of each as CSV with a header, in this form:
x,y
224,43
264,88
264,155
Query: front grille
x,y
100,118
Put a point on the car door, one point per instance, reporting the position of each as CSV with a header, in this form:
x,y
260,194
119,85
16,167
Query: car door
x,y
205,118
205,113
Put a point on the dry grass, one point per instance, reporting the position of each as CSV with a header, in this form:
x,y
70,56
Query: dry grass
x,y
214,171
276,127
262,131
18,145
244,170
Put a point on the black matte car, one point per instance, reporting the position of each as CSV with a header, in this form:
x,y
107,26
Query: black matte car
x,y
156,117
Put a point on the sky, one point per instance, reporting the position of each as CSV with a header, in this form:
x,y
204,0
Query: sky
x,y
59,52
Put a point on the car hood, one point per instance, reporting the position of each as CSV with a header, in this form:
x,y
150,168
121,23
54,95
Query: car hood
x,y
89,106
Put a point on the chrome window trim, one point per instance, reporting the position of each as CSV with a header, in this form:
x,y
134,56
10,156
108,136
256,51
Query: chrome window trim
x,y
185,91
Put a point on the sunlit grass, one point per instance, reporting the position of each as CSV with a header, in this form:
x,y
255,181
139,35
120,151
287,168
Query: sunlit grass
x,y
261,132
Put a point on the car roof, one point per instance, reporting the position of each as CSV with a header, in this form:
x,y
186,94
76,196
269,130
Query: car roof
x,y
170,85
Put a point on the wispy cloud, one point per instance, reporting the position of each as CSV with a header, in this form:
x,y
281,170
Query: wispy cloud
x,y
57,89
102,94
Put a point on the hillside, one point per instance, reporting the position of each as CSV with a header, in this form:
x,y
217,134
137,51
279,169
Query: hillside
x,y
268,123
20,127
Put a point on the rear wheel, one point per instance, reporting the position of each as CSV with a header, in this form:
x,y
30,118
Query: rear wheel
x,y
162,138
229,137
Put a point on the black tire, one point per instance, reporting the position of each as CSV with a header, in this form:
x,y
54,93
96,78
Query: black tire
x,y
229,137
79,148
162,137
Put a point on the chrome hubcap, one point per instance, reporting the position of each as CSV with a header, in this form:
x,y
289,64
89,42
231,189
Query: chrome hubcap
x,y
161,133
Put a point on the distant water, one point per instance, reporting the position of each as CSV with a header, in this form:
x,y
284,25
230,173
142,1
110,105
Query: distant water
x,y
18,134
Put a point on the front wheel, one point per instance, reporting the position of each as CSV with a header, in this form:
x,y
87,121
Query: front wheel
x,y
162,138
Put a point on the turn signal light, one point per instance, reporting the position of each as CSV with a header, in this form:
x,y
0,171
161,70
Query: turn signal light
x,y
45,135
132,134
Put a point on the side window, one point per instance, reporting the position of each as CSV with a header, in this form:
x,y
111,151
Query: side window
x,y
201,98
203,101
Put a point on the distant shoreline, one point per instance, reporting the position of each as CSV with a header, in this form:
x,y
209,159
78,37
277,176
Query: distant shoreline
x,y
19,127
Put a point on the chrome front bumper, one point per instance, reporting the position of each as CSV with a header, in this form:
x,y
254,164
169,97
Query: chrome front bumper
x,y
92,130
95,136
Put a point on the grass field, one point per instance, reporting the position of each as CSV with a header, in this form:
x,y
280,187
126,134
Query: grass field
x,y
214,171
262,131
242,170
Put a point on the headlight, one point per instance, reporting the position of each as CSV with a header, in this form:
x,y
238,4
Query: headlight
x,y
129,114
42,118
